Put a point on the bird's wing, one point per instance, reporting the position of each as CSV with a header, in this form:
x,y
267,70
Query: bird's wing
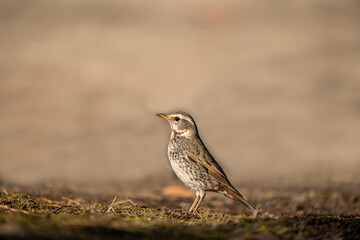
x,y
208,164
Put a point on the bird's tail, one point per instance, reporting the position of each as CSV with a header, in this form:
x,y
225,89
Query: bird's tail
x,y
238,197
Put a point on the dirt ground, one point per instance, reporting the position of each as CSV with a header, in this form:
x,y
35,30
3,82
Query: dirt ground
x,y
150,209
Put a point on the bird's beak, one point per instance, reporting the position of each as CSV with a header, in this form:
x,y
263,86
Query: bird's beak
x,y
163,116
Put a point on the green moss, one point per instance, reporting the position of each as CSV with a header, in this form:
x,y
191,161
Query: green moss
x,y
38,218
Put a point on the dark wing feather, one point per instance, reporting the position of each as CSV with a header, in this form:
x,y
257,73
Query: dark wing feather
x,y
206,162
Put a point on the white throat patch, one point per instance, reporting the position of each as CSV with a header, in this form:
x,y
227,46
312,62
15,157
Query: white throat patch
x,y
183,133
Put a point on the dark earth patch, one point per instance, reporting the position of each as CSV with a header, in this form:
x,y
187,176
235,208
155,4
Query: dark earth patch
x,y
60,212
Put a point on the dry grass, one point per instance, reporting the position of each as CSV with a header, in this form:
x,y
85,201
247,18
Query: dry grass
x,y
24,215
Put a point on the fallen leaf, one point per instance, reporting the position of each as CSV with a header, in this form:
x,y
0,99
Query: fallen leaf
x,y
177,191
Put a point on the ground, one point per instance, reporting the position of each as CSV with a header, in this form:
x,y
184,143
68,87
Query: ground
x,y
151,209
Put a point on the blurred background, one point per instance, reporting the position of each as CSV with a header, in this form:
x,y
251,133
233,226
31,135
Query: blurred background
x,y
274,87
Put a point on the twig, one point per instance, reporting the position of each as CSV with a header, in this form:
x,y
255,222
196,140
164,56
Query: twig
x,y
125,201
110,207
5,207
59,208
48,200
71,201
27,203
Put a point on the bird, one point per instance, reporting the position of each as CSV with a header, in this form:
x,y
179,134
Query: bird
x,y
194,165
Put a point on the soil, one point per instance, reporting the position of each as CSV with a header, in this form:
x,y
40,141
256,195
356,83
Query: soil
x,y
150,209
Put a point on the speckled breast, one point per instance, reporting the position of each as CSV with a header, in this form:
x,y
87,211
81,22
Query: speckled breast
x,y
188,172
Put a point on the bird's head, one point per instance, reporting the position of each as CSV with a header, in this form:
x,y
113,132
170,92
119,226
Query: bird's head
x,y
181,123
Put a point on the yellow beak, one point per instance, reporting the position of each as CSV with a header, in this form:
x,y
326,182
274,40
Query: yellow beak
x,y
163,116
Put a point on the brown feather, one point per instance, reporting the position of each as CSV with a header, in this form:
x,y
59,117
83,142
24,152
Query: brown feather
x,y
238,197
224,184
211,169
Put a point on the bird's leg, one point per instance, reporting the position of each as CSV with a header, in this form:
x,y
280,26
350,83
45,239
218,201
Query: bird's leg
x,y
202,194
195,202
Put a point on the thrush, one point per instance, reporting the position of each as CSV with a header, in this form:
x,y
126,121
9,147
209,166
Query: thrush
x,y
194,165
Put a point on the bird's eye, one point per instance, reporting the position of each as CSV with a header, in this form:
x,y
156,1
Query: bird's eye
x,y
177,119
